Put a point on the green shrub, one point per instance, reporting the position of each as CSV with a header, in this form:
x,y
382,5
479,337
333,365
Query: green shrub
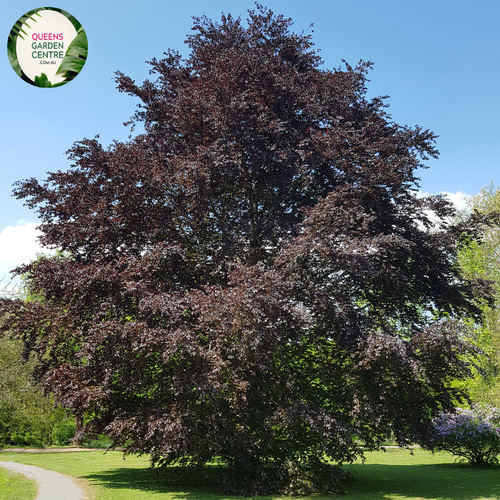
x,y
63,431
100,441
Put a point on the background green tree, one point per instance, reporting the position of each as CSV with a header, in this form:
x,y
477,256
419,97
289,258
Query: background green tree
x,y
27,417
481,261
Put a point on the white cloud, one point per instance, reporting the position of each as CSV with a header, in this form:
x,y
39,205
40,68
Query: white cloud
x,y
459,199
18,245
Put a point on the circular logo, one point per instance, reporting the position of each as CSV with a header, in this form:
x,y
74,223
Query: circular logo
x,y
47,47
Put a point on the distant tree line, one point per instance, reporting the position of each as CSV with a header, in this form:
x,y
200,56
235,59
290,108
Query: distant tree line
x,y
27,417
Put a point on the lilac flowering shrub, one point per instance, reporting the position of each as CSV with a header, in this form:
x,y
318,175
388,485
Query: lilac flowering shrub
x,y
472,433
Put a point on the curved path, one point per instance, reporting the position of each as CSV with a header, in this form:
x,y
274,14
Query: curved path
x,y
52,485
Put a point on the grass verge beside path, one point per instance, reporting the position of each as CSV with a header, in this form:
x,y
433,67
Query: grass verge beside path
x,y
394,475
16,486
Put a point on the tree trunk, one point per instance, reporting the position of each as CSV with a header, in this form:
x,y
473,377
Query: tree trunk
x,y
78,428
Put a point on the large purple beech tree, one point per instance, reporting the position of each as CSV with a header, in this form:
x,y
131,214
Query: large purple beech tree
x,y
253,277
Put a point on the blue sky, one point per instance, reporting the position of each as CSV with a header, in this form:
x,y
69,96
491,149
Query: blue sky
x,y
438,60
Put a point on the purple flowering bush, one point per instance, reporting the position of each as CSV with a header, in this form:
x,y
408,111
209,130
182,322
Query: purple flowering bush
x,y
473,434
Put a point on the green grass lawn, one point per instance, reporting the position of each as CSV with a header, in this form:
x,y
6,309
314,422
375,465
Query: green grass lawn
x,y
16,486
395,475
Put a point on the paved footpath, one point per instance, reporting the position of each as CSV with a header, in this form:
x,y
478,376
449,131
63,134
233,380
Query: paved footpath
x,y
52,485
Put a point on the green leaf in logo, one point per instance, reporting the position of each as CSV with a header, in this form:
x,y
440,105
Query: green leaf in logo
x,y
16,32
12,53
75,56
42,81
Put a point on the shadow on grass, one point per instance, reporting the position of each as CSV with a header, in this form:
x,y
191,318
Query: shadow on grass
x,y
197,483
374,482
